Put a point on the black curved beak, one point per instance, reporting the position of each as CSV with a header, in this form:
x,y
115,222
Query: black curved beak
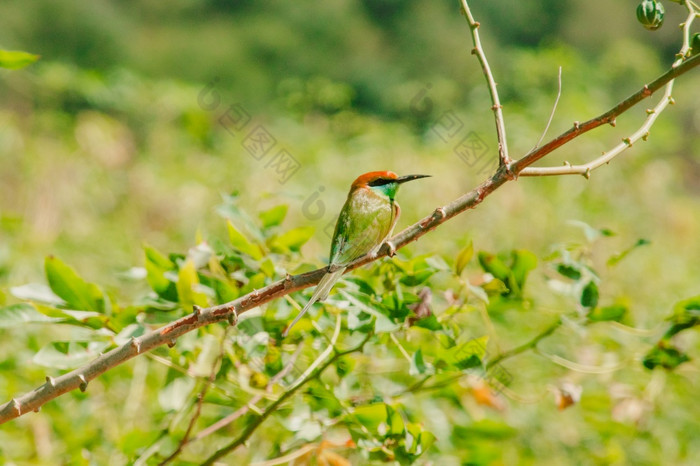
x,y
403,179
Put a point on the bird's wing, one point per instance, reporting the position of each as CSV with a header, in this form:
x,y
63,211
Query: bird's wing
x,y
358,233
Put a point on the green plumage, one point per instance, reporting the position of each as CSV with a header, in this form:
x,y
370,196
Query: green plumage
x,y
365,222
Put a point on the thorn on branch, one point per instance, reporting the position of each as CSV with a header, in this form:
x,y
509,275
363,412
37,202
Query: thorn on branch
x,y
50,380
171,343
136,344
83,382
391,252
587,174
16,406
233,316
287,282
577,126
646,92
197,311
613,122
671,100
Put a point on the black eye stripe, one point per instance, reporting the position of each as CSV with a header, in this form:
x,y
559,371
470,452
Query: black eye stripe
x,y
381,182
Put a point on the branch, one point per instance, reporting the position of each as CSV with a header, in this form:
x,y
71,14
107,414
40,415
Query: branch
x,y
421,386
519,167
641,133
273,407
79,378
478,50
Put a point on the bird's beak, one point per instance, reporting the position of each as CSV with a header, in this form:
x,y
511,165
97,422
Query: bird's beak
x,y
403,179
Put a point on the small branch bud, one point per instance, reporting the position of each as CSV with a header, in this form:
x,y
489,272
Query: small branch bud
x,y
287,282
50,381
83,382
391,249
646,136
627,141
650,111
613,122
577,126
171,343
197,311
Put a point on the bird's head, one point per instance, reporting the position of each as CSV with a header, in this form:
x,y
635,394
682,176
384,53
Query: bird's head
x,y
383,182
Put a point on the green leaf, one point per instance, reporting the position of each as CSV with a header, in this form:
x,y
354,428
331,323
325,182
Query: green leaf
x,y
686,314
589,295
187,286
69,354
371,415
463,258
430,322
157,267
240,242
15,60
17,315
615,259
37,292
468,355
418,365
292,240
664,355
569,271
614,312
68,285
274,216
493,265
394,421
523,262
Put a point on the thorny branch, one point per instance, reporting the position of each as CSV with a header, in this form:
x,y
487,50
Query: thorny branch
x,y
641,133
79,378
478,50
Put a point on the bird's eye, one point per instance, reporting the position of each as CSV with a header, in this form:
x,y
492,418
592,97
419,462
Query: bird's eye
x,y
380,182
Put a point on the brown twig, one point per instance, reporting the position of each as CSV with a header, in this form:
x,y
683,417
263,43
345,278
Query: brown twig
x,y
519,167
200,401
478,50
641,133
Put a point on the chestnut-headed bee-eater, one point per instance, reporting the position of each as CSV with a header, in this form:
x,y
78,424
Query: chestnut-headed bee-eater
x,y
365,222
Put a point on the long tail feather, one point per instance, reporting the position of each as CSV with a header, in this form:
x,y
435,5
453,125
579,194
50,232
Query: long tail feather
x,y
322,289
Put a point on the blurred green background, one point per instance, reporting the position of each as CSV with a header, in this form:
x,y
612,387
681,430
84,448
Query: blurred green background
x,y
115,139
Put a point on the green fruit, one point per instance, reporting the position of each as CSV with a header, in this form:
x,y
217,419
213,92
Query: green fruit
x,y
651,14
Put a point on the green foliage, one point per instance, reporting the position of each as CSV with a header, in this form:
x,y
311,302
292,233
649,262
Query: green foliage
x,y
15,60
368,80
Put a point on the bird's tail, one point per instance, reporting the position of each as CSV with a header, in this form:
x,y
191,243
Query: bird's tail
x,y
322,289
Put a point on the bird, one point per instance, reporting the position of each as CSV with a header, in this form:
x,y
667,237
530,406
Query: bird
x,y
365,222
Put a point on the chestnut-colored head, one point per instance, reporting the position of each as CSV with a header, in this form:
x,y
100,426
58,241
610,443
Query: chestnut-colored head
x,y
384,182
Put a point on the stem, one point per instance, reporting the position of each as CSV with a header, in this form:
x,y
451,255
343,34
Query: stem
x,y
273,407
478,50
